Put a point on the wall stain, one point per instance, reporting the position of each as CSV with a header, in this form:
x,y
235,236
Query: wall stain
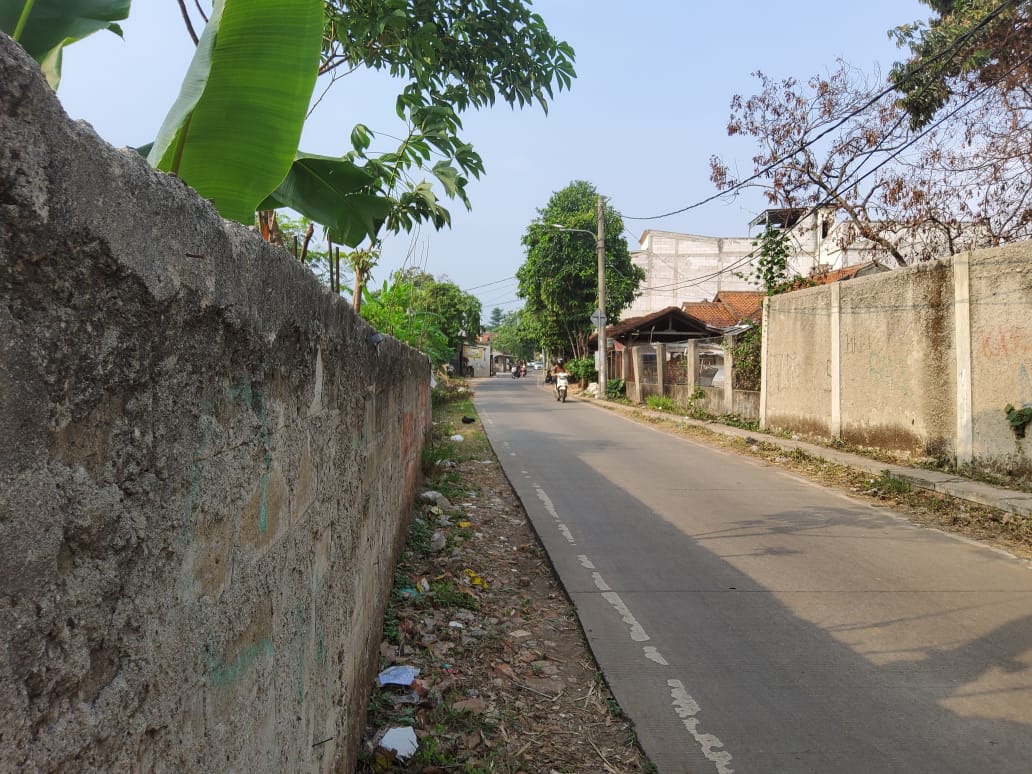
x,y
222,673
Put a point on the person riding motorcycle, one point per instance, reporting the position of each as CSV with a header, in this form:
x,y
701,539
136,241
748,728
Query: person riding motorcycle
x,y
558,368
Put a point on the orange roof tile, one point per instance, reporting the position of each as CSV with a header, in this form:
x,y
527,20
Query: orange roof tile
x,y
710,312
743,304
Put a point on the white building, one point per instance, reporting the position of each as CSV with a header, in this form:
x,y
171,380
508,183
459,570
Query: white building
x,y
683,268
688,267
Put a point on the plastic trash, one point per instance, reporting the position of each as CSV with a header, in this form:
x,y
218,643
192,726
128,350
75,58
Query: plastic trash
x,y
398,675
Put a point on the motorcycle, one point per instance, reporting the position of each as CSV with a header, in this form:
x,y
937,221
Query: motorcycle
x,y
515,372
562,385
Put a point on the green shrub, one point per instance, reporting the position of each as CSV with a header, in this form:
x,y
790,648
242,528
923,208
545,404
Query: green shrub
x,y
582,369
615,388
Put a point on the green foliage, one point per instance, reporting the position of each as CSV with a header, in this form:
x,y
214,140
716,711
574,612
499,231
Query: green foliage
x,y
496,318
447,594
462,53
559,279
233,131
45,27
425,313
890,484
582,369
964,45
451,55
515,337
615,388
1018,418
396,310
662,403
335,192
746,353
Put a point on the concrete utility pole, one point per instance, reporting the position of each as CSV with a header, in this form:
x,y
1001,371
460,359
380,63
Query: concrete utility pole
x,y
603,350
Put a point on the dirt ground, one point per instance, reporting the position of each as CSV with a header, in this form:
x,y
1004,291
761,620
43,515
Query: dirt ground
x,y
506,682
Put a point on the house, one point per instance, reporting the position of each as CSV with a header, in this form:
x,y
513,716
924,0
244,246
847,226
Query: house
x,y
728,308
688,266
668,325
477,360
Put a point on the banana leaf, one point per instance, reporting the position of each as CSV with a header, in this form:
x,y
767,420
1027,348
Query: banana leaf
x,y
50,25
233,131
334,192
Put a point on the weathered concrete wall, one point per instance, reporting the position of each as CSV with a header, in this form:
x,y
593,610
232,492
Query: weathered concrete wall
x,y
897,345
746,404
797,373
897,361
204,473
1001,353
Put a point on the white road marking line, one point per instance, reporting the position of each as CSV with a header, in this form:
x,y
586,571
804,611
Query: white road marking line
x,y
652,654
637,632
547,501
687,708
684,705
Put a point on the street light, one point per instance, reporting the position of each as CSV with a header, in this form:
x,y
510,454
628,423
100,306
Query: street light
x,y
599,318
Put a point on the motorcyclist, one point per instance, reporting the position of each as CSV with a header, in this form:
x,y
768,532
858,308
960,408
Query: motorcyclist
x,y
558,368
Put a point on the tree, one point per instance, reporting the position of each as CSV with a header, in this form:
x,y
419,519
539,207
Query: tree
x,y
455,312
496,318
450,56
840,146
395,309
559,279
515,337
966,45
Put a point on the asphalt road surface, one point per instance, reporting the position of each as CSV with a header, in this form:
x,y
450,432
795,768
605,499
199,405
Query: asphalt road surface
x,y
750,621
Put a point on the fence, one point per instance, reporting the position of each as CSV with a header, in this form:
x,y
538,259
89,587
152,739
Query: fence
x,y
698,373
923,360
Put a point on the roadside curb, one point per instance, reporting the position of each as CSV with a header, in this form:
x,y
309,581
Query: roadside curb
x,y
952,485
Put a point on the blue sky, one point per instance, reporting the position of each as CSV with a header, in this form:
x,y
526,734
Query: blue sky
x,y
647,110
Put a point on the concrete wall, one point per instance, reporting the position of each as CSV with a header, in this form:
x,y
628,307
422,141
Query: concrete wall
x,y
796,361
205,471
921,360
1001,352
897,361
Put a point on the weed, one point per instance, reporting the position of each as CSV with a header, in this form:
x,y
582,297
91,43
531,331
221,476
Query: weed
x,y
662,403
889,484
419,537
447,594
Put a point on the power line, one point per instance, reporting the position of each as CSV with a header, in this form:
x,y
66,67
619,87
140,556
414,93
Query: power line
x,y
852,114
673,287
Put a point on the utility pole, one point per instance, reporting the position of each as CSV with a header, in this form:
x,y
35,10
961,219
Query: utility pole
x,y
603,351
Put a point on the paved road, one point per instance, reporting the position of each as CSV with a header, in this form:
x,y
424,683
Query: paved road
x,y
750,621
